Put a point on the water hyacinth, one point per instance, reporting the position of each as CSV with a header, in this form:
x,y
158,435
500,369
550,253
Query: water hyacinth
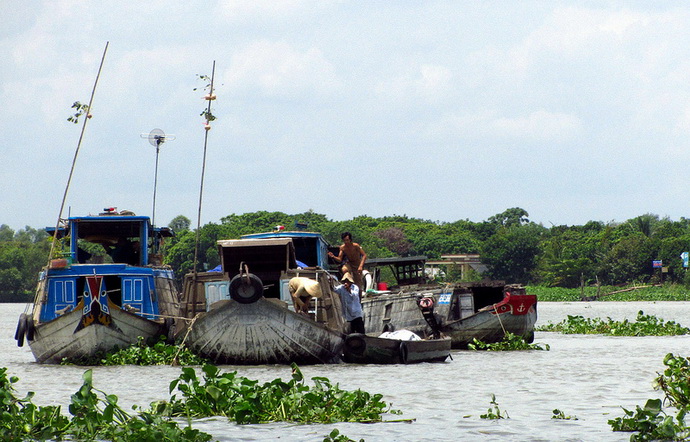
x,y
509,342
95,415
142,354
652,421
644,325
245,401
494,412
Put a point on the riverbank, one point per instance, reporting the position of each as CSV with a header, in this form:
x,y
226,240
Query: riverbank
x,y
633,292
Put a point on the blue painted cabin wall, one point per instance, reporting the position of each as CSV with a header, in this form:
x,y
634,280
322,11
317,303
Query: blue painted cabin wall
x,y
137,285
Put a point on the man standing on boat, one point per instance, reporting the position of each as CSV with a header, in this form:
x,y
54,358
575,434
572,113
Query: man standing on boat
x,y
352,306
352,256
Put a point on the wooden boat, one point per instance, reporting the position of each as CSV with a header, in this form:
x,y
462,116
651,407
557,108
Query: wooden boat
x,y
485,311
245,315
369,349
84,307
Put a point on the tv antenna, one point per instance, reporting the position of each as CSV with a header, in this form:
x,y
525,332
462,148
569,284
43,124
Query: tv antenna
x,y
156,137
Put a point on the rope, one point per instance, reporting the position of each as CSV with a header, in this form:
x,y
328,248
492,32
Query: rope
x,y
498,315
181,346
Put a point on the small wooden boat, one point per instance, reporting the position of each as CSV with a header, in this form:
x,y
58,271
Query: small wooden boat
x,y
84,306
484,310
369,349
245,315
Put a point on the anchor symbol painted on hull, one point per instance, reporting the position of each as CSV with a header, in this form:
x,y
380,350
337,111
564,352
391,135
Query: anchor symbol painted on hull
x,y
521,308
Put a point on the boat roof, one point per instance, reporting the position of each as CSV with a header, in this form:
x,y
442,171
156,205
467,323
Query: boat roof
x,y
112,225
250,242
284,234
395,260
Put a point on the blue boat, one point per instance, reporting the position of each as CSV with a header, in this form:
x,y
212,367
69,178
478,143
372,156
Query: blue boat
x,y
88,304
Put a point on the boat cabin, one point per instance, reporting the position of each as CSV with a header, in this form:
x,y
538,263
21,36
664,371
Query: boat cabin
x,y
311,249
127,239
129,281
406,270
456,300
274,257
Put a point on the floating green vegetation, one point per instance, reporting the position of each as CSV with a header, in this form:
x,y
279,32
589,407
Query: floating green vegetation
x,y
142,354
651,422
633,292
509,342
335,436
494,412
92,418
96,415
246,402
644,325
558,414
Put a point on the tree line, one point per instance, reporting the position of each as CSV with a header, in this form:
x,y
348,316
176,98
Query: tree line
x,y
512,247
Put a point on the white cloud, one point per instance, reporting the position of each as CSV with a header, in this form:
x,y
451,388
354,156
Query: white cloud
x,y
237,10
427,82
539,125
277,69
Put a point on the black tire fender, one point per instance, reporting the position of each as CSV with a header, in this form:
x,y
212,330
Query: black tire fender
x,y
530,337
246,289
403,352
355,344
30,328
169,331
21,330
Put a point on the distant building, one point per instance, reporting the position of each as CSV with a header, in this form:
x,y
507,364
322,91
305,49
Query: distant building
x,y
466,262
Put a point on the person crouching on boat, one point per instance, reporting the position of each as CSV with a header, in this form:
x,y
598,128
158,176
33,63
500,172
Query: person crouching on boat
x,y
302,290
352,306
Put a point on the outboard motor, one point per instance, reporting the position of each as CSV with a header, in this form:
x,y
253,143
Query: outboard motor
x,y
426,305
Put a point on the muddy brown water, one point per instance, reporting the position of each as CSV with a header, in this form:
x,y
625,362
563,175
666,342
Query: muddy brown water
x,y
589,377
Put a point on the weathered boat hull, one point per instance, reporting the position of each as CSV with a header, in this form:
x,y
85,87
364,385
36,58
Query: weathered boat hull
x,y
58,339
486,314
262,332
364,349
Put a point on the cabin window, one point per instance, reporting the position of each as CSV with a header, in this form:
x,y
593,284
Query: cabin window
x,y
306,251
484,296
387,312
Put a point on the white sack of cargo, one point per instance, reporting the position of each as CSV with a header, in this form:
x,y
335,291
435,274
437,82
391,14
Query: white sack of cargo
x,y
402,335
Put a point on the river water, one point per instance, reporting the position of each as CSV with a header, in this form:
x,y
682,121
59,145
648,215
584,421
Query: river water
x,y
589,377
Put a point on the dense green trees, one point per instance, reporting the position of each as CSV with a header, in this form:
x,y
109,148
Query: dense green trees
x,y
22,254
514,248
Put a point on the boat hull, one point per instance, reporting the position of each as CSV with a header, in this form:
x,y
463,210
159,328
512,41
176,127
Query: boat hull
x,y
364,349
507,311
263,332
60,338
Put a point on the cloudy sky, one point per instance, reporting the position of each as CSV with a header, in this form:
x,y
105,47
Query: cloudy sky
x,y
441,110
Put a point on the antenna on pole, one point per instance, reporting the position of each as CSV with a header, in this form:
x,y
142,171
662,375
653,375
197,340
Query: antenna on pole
x,y
209,97
156,137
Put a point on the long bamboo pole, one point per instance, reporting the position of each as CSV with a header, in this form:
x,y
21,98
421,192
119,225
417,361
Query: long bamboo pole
x,y
210,96
76,152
